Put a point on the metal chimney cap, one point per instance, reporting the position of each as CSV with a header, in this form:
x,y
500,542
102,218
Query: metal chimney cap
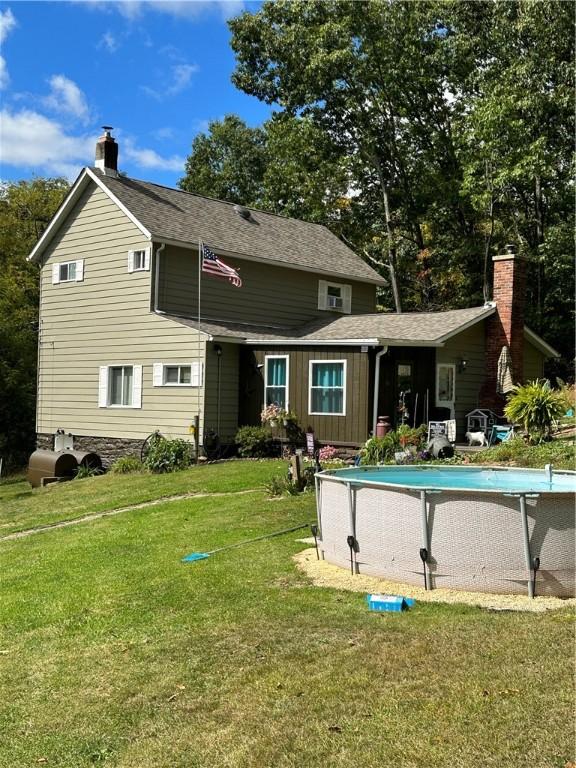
x,y
107,129
510,248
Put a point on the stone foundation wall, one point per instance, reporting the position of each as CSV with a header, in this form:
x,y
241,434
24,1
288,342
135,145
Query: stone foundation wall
x,y
108,448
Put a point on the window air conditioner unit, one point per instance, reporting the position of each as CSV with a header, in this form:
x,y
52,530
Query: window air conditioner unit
x,y
335,302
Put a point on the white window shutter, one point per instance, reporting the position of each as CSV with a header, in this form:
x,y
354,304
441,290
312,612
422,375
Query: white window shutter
x,y
147,259
55,274
79,270
157,374
137,386
130,261
322,294
103,387
196,374
347,298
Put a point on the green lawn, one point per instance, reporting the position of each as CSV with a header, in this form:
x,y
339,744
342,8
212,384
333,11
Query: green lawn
x,y
22,507
113,652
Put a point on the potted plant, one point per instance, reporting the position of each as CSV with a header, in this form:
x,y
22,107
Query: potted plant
x,y
288,418
270,414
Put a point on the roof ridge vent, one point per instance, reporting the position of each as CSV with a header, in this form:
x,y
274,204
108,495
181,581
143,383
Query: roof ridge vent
x,y
243,212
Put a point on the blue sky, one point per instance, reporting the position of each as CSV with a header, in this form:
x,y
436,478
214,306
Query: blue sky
x,y
157,71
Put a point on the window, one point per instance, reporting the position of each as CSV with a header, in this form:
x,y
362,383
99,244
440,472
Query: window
x,y
177,374
445,394
327,393
120,386
336,297
139,261
68,272
276,380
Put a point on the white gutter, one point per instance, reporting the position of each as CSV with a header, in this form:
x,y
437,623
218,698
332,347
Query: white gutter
x,y
377,387
316,342
157,275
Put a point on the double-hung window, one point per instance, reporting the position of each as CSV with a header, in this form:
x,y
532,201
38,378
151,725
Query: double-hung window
x,y
276,380
177,374
327,388
120,386
336,297
139,261
68,272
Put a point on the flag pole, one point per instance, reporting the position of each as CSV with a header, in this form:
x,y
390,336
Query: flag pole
x,y
199,363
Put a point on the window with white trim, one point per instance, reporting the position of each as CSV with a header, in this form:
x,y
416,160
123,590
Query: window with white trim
x,y
327,388
335,297
139,261
276,380
177,374
120,386
68,272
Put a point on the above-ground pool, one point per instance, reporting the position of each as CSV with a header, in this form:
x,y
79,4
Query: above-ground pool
x,y
484,529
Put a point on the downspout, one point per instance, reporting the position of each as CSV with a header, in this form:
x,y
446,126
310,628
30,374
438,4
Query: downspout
x,y
377,387
157,276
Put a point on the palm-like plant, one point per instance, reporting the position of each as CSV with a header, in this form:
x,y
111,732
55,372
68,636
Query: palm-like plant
x,y
536,406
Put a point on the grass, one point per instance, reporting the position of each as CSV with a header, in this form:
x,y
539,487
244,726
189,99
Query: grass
x,y
113,652
22,507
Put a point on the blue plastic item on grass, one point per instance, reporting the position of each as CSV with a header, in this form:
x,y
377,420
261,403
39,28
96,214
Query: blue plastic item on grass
x,y
389,602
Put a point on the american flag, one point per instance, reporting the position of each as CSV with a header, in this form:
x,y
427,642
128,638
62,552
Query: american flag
x,y
213,266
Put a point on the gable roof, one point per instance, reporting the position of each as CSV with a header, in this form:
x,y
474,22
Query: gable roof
x,y
181,218
422,329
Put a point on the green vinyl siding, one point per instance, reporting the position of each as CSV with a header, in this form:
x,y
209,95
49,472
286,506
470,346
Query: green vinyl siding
x,y
533,362
269,294
105,320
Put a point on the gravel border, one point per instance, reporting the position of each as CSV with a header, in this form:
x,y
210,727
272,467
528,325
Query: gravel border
x,y
324,574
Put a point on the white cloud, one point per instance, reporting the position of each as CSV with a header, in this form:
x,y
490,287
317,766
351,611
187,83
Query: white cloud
x,y
67,97
31,140
109,42
180,77
148,158
163,134
4,76
184,9
7,24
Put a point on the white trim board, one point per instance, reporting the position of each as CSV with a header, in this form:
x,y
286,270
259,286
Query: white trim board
x,y
86,175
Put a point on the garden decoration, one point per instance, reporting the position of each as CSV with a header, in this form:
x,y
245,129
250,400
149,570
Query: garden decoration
x,y
195,556
314,531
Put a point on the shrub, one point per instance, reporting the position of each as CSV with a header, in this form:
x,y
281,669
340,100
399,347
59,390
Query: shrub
x,y
255,442
379,450
126,465
276,485
168,455
536,406
327,453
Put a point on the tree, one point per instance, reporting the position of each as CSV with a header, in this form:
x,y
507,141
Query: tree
x,y
456,122
26,207
228,163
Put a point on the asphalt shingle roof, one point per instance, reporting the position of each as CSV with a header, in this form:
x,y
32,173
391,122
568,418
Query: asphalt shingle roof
x,y
172,214
425,328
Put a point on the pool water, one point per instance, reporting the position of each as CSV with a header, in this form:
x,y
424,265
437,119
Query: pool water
x,y
483,479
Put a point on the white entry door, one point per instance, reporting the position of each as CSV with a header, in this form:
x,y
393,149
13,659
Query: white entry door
x,y
445,386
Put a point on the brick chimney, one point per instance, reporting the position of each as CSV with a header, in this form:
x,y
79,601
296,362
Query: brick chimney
x,y
107,153
505,328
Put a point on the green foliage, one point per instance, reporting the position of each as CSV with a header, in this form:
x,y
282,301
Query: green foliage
x,y
83,472
168,455
276,486
25,209
381,450
255,442
126,465
516,452
228,162
452,123
536,406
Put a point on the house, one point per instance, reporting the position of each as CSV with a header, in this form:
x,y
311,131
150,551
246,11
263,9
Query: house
x,y
122,352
